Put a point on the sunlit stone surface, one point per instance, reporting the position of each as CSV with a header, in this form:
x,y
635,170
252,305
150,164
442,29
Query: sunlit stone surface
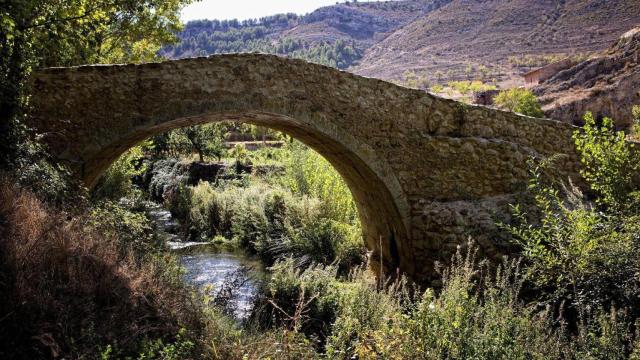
x,y
426,173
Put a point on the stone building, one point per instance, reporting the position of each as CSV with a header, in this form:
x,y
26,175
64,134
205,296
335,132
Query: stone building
x,y
536,76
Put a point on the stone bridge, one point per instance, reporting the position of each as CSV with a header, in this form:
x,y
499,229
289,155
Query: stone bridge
x,y
426,173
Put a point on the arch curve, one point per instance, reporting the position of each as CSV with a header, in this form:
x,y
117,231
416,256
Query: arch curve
x,y
379,211
427,173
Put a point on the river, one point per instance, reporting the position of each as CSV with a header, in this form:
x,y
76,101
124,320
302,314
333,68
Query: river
x,y
210,268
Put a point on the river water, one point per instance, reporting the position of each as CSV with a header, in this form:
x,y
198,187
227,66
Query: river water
x,y
209,268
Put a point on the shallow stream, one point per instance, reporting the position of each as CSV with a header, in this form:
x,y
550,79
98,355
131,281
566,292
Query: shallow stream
x,y
209,267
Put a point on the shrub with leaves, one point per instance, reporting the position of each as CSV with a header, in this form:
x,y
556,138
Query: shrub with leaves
x,y
133,230
268,221
73,288
116,181
518,100
308,173
477,314
582,255
635,112
609,163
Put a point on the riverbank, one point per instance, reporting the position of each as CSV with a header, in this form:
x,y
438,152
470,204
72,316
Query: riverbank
x,y
226,275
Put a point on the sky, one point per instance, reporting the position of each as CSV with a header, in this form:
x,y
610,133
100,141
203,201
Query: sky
x,y
249,9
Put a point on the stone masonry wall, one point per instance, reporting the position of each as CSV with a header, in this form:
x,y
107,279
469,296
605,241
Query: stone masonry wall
x,y
426,172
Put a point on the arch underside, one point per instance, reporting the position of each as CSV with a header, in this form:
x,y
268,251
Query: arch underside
x,y
385,229
425,172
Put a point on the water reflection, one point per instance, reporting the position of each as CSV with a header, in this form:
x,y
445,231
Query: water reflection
x,y
215,268
208,268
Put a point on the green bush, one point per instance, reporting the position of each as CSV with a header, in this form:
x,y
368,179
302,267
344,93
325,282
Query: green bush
x,y
519,100
308,173
582,252
32,168
132,229
635,127
609,163
163,177
205,215
90,282
466,87
249,225
178,201
116,182
268,221
302,300
477,314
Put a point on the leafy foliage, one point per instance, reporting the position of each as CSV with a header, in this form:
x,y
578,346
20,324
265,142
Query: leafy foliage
x,y
466,87
308,173
609,163
59,33
519,100
53,33
477,314
116,182
635,112
582,257
269,222
79,286
205,140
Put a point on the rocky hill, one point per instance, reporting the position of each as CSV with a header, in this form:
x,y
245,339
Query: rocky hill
x,y
502,38
439,40
607,85
334,35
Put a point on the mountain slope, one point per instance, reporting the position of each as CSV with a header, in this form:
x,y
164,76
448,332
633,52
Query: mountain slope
x,y
473,33
435,40
333,35
607,85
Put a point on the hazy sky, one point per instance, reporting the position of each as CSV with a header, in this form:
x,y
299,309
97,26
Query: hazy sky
x,y
249,9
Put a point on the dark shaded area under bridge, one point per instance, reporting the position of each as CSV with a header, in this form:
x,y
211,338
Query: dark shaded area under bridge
x,y
426,172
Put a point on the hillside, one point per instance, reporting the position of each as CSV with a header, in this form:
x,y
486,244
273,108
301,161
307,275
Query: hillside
x,y
334,35
607,85
437,40
500,38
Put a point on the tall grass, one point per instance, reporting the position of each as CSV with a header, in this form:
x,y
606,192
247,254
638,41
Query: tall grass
x,y
477,314
70,289
268,221
308,173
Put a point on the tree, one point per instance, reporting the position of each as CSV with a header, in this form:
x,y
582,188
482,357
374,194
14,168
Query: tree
x,y
262,133
205,140
609,163
41,33
519,100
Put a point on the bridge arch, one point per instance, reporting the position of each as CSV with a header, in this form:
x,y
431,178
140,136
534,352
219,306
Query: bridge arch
x,y
377,199
426,172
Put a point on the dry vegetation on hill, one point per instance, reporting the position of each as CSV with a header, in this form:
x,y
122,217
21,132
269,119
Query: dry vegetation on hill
x,y
606,85
312,37
448,40
460,37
